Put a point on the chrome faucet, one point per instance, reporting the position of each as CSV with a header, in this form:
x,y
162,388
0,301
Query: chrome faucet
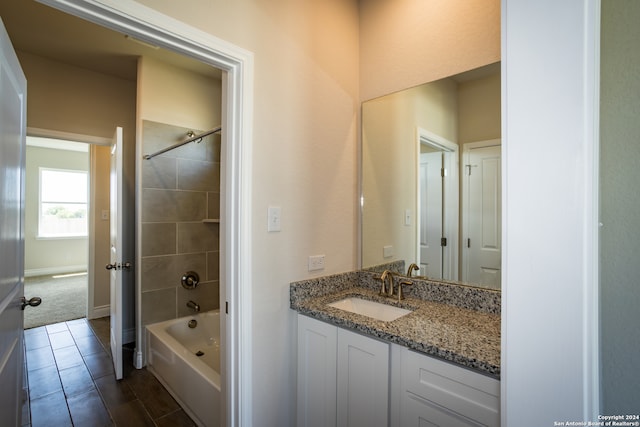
x,y
411,269
193,306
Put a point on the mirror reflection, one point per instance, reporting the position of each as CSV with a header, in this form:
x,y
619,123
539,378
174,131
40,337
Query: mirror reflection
x,y
431,178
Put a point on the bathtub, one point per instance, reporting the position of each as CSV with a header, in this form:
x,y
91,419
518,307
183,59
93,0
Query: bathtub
x,y
194,381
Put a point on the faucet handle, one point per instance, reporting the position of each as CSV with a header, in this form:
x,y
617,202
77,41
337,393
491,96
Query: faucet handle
x,y
400,283
383,279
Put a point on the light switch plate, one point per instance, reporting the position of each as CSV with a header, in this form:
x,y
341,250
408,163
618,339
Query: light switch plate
x,y
407,217
274,216
316,262
387,251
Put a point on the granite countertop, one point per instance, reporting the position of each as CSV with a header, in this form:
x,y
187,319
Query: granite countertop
x,y
462,335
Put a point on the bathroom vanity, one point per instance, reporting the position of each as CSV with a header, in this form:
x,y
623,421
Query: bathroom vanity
x,y
438,362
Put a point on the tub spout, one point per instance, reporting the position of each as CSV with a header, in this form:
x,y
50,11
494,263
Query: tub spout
x,y
194,306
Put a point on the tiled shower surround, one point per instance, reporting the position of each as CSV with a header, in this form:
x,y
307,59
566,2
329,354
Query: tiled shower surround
x,y
180,189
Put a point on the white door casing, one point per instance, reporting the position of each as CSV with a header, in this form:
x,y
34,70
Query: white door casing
x,y
482,214
13,97
447,177
147,24
115,266
430,215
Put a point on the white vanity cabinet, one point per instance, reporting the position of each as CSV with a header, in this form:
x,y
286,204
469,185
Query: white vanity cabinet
x,y
348,379
343,377
435,392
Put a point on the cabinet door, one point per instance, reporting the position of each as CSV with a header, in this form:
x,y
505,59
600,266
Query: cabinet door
x,y
316,373
363,381
418,412
435,390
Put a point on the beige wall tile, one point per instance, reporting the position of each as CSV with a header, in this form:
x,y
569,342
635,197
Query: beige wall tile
x,y
159,239
213,265
206,295
159,172
198,175
213,205
166,271
171,205
158,305
213,148
157,136
197,237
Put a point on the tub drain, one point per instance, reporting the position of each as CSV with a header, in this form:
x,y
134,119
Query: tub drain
x,y
200,353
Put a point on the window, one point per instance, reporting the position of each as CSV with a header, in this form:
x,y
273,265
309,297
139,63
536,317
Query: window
x,y
63,203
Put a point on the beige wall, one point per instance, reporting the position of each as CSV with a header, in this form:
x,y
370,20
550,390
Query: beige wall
x,y
48,256
405,43
171,95
69,99
479,111
309,80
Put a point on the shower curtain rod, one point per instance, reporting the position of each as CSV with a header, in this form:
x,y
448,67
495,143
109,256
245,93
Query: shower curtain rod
x,y
180,144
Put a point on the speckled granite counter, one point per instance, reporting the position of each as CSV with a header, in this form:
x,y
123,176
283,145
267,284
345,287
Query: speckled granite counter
x,y
454,322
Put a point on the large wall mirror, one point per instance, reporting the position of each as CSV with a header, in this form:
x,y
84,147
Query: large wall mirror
x,y
431,178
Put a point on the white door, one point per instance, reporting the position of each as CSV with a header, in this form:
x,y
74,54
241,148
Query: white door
x,y
13,99
482,216
115,265
430,213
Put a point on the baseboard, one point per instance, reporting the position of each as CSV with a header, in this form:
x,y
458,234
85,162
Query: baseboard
x,y
48,271
101,311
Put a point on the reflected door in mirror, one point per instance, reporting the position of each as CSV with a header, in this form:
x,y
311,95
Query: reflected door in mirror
x,y
431,206
481,255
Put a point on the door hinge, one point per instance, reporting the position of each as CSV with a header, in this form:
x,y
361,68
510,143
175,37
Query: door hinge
x,y
226,307
443,241
469,168
468,243
442,174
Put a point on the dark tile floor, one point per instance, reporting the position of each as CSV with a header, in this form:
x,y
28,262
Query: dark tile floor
x,y
71,382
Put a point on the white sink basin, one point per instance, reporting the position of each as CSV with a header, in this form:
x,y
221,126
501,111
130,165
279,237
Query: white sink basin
x,y
373,309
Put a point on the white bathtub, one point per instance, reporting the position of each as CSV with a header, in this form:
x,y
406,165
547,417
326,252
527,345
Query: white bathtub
x,y
194,381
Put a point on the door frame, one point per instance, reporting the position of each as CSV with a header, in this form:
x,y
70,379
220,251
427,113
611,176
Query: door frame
x,y
146,24
92,311
450,194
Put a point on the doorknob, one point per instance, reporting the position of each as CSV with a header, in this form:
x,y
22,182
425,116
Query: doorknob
x,y
33,302
118,266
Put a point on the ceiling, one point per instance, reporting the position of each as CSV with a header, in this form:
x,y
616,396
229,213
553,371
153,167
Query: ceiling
x,y
41,30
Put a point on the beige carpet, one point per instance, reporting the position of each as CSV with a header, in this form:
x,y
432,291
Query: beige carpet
x,y
63,299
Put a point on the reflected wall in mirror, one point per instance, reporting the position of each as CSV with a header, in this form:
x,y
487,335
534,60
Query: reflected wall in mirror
x,y
431,179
